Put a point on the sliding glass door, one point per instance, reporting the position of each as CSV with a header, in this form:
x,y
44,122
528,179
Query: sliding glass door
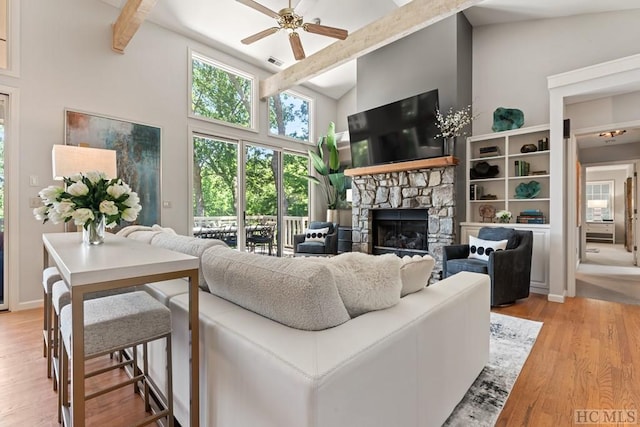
x,y
215,188
261,174
256,204
295,207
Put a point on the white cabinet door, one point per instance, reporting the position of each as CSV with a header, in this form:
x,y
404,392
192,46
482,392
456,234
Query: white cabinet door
x,y
539,260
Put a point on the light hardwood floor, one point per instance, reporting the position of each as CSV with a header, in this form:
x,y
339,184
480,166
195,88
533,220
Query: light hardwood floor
x,y
26,395
586,356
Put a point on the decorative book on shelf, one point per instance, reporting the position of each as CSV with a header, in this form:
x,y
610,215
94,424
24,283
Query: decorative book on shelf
x,y
531,216
491,151
522,168
475,192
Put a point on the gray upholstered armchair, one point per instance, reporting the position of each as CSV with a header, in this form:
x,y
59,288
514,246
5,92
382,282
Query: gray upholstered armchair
x,y
327,246
509,269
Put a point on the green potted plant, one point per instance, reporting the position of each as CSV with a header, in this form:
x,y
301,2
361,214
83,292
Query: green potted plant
x,y
326,162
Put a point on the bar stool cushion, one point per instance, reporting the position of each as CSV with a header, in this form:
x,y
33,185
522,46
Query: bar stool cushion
x,y
118,321
60,295
50,275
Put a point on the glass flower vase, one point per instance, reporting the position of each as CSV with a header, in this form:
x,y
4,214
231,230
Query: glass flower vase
x,y
93,233
450,146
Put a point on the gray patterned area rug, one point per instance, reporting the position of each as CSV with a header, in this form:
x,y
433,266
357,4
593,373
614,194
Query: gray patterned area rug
x,y
510,343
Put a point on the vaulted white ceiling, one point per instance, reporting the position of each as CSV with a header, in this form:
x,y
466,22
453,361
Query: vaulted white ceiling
x,y
221,24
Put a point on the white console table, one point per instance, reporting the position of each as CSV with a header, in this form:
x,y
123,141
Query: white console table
x,y
117,263
601,232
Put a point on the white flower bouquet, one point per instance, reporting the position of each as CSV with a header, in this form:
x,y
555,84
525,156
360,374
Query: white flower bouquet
x,y
452,123
88,199
503,216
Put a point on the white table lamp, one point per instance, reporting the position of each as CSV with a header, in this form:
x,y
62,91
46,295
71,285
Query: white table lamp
x,y
69,160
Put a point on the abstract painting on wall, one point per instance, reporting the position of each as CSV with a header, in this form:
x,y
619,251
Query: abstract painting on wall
x,y
138,154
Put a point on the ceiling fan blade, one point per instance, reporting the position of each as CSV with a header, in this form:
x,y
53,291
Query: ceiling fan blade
x,y
259,8
296,46
337,33
260,35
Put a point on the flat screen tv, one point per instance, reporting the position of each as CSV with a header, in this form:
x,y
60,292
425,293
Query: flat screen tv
x,y
400,131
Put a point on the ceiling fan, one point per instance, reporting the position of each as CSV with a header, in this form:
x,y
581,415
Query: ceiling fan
x,y
289,20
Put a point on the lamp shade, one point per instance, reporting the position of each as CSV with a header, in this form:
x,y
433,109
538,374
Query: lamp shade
x,y
69,160
597,203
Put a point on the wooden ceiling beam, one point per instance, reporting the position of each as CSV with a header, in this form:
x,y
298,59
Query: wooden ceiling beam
x,y
131,17
403,21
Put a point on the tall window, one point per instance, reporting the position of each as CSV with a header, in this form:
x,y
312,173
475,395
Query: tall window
x,y
599,200
221,93
290,116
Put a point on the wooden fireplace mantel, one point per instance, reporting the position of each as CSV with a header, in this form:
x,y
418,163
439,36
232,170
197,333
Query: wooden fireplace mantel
x,y
436,162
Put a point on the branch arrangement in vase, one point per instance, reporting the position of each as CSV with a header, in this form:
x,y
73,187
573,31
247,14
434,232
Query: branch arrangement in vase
x,y
452,122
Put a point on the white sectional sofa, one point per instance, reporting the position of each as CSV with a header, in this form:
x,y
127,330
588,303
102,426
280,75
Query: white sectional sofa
x,y
406,365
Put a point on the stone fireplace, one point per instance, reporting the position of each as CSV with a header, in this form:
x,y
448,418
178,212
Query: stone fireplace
x,y
427,184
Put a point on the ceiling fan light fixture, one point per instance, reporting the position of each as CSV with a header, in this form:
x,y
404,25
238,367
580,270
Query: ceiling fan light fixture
x,y
290,21
613,133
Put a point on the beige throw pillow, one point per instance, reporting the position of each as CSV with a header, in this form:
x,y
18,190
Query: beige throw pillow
x,y
296,292
415,273
366,282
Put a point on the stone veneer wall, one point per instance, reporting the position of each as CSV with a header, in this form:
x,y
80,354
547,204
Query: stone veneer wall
x,y
432,189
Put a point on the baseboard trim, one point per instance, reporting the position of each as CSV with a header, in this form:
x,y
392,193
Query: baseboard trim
x,y
28,305
556,298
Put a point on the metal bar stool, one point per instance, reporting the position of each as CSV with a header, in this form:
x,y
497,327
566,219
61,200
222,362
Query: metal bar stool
x,y
50,275
60,297
112,324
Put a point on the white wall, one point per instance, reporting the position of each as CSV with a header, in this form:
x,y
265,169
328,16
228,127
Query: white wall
x,y
604,111
347,105
511,62
618,177
67,62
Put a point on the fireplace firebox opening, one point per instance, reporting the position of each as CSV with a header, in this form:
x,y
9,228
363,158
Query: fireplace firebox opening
x,y
400,231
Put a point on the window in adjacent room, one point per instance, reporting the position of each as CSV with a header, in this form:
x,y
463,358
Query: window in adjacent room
x,y
221,93
599,197
290,116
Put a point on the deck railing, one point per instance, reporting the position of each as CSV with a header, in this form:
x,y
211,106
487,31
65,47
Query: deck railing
x,y
291,225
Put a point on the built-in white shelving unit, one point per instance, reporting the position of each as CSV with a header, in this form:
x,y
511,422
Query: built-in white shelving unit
x,y
503,186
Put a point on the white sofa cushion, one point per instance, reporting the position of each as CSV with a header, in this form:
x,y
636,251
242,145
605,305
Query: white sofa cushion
x,y
143,233
415,272
295,292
